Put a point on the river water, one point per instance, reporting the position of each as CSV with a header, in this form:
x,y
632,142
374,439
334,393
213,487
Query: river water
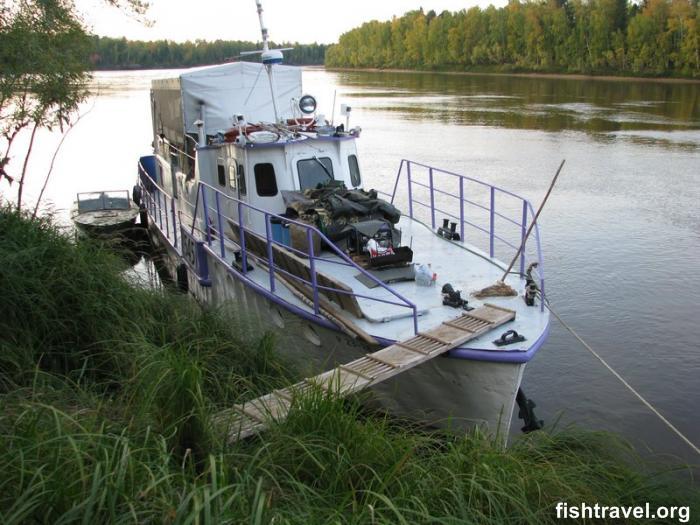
x,y
620,232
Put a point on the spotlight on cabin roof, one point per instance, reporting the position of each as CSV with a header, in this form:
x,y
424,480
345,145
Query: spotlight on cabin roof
x,y
307,104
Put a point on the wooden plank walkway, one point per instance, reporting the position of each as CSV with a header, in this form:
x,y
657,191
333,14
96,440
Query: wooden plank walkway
x,y
249,418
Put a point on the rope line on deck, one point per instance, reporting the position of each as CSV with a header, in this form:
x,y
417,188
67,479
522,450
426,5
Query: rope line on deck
x,y
629,387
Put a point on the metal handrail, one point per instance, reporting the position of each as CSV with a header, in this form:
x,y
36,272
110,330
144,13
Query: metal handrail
x,y
156,208
163,200
526,206
310,231
172,146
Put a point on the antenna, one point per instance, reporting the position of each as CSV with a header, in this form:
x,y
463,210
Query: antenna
x,y
263,29
269,57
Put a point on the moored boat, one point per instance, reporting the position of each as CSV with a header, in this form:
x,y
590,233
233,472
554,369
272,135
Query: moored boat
x,y
256,200
103,213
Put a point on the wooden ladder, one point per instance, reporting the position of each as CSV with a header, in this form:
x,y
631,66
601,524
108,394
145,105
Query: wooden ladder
x,y
249,418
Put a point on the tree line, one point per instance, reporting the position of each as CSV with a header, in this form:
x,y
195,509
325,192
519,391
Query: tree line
x,y
120,53
654,37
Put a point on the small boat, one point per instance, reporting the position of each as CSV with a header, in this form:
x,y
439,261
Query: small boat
x,y
256,200
104,213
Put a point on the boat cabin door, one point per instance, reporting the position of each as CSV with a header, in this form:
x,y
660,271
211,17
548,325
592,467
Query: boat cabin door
x,y
231,175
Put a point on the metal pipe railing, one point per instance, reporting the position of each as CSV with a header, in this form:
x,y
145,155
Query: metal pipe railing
x,y
492,214
311,233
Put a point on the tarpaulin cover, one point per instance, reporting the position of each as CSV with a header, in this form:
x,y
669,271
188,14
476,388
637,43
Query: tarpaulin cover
x,y
238,88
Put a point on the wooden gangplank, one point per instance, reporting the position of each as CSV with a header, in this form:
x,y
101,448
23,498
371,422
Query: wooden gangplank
x,y
249,418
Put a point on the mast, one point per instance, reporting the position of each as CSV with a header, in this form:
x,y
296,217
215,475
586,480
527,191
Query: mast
x,y
269,58
263,29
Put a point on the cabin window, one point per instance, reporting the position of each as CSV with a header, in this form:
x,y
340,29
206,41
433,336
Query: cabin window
x,y
232,176
221,174
355,178
265,181
314,172
241,181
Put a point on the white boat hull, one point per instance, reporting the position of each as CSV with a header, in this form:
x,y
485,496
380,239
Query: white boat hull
x,y
446,392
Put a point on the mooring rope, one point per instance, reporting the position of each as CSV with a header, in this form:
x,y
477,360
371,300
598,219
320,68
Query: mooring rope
x,y
639,396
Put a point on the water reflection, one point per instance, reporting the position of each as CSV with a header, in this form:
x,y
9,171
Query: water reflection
x,y
592,106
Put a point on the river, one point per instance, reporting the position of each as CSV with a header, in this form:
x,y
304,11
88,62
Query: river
x,y
620,232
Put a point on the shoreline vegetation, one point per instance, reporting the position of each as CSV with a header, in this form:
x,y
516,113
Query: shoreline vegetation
x,y
654,38
110,392
122,54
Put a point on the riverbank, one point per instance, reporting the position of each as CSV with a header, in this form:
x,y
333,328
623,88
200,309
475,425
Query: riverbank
x,y
562,76
109,393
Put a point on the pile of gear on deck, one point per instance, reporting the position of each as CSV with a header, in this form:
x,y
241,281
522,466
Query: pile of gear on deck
x,y
356,221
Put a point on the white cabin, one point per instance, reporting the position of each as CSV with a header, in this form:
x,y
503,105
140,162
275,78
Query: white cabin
x,y
205,115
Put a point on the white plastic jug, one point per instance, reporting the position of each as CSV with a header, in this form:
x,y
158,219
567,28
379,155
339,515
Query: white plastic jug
x,y
424,275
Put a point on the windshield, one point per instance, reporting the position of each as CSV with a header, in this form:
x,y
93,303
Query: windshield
x,y
105,200
314,171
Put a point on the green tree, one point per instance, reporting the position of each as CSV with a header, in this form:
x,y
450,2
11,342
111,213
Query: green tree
x,y
44,73
650,37
415,38
43,79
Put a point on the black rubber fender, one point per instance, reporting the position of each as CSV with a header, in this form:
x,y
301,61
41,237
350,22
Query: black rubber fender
x,y
136,195
181,278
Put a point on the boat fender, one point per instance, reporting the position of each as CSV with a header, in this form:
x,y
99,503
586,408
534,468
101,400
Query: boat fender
x,y
530,286
181,276
526,412
136,195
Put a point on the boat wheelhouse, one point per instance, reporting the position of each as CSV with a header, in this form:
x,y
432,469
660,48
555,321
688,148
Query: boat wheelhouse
x,y
257,201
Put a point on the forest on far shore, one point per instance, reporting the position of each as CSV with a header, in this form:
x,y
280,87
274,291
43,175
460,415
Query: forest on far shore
x,y
650,37
120,53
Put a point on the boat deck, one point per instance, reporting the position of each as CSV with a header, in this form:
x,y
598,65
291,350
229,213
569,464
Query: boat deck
x,y
464,267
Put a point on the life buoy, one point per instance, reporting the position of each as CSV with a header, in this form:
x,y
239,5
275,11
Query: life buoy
x,y
232,134
301,122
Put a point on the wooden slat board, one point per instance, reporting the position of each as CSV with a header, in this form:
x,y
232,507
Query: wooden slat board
x,y
299,267
252,417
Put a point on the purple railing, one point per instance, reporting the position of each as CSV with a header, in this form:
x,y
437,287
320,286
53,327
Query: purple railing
x,y
216,219
210,226
464,194
160,205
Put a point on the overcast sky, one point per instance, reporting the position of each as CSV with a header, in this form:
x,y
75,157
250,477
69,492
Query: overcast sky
x,y
303,21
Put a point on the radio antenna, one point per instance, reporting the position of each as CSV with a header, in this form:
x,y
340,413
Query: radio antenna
x,y
269,57
263,29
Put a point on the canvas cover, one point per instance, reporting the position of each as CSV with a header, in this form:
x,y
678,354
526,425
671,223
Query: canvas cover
x,y
227,90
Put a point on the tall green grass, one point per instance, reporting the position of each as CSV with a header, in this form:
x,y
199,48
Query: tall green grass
x,y
107,401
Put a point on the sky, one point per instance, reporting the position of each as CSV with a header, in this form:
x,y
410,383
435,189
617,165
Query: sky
x,y
303,21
